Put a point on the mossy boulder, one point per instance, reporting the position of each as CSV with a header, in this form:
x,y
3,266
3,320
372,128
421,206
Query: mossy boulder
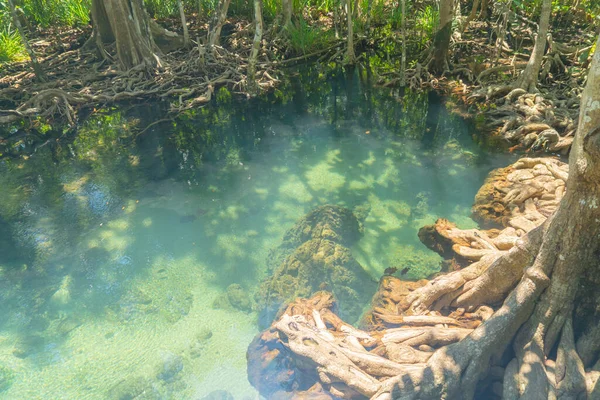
x,y
234,297
315,255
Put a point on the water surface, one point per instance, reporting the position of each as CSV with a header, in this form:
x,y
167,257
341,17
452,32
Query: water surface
x,y
116,242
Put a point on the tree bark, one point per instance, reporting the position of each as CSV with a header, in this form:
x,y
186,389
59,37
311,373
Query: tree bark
x,y
441,41
127,22
37,69
186,35
350,55
471,16
214,34
258,32
529,77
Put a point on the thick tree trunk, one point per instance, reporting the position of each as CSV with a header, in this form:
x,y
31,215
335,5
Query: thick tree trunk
x,y
214,34
350,55
288,7
569,253
529,77
441,41
128,23
256,43
37,69
186,35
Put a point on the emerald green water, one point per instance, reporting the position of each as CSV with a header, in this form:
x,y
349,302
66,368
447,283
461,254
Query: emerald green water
x,y
115,243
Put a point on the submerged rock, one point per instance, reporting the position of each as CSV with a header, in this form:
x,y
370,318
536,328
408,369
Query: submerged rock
x,y
315,255
238,297
234,297
171,366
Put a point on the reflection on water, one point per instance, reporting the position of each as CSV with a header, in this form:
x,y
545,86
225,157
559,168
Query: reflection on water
x,y
118,244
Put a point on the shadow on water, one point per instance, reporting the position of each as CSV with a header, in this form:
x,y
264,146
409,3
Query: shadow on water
x,y
130,195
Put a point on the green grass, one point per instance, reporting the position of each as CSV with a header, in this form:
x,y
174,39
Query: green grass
x,y
46,13
11,47
305,39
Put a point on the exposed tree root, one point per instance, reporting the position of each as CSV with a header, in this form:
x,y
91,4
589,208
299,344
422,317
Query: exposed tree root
x,y
440,339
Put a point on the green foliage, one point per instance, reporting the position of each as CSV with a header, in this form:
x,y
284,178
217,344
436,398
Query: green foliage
x,y
426,21
305,38
47,13
11,47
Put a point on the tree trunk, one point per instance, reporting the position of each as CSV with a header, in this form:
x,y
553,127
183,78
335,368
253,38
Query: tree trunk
x,y
186,35
570,256
529,77
336,19
37,69
258,32
214,34
288,7
128,23
350,55
441,41
471,16
403,64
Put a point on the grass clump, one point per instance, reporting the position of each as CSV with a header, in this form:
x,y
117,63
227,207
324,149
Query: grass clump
x,y
305,39
11,47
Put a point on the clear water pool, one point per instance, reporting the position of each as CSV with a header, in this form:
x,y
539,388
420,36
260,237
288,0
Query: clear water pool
x,y
115,242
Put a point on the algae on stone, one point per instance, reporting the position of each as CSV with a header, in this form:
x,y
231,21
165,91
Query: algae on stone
x,y
315,255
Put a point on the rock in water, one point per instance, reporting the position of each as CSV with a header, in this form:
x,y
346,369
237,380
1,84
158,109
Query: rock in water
x,y
234,297
239,298
171,366
313,252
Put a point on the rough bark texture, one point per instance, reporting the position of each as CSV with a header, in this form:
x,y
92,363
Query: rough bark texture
x,y
529,77
441,41
130,26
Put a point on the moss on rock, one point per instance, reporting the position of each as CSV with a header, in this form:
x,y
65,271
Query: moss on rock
x,y
315,255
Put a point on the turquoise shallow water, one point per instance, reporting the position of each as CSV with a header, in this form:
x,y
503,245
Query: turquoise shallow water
x,y
115,242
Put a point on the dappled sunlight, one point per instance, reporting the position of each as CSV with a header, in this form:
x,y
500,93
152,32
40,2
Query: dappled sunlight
x,y
296,190
146,251
322,178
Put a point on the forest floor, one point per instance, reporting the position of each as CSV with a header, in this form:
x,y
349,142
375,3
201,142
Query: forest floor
x,y
486,91
78,79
